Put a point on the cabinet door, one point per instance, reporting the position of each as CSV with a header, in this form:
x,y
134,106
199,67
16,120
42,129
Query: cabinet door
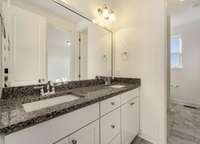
x,y
64,141
28,47
87,135
130,121
110,126
116,140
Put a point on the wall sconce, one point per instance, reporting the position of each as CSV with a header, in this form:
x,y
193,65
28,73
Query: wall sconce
x,y
104,57
68,43
125,55
107,13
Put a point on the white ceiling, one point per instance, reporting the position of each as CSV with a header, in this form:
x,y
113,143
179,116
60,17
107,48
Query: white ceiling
x,y
179,6
183,12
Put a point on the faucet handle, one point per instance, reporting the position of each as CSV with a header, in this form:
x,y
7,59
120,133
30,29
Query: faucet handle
x,y
98,77
41,88
50,83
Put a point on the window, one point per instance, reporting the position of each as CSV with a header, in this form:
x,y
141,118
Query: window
x,y
176,52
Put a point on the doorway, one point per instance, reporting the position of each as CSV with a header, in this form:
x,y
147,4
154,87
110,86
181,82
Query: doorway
x,y
184,99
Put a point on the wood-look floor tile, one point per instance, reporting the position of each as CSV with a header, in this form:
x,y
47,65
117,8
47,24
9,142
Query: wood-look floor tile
x,y
183,125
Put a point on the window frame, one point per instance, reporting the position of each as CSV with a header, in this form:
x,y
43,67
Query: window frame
x,y
179,54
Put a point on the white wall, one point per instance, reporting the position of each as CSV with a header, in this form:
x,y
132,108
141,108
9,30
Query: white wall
x,y
187,78
141,31
99,44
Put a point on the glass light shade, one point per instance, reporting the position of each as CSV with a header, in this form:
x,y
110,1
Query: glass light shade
x,y
106,13
100,12
68,43
112,17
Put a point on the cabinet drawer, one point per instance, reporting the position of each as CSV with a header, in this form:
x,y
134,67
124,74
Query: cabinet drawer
x,y
87,135
125,97
110,126
109,105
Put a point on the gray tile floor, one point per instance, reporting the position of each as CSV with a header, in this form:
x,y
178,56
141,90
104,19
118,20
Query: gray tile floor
x,y
139,140
183,125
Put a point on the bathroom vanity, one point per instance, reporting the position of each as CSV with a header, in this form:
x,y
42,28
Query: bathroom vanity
x,y
101,115
51,57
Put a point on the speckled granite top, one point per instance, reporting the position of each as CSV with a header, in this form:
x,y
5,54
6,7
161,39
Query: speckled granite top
x,y
14,118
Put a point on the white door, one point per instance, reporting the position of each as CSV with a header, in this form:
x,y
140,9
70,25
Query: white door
x,y
87,135
130,121
28,47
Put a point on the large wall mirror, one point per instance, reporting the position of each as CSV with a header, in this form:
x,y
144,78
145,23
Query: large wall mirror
x,y
46,41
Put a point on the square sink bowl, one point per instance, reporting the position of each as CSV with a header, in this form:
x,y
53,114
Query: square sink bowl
x,y
34,106
117,86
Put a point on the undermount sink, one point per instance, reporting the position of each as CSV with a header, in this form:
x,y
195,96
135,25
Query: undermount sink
x,y
117,86
29,107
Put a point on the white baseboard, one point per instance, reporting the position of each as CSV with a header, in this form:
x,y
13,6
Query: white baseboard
x,y
182,102
149,138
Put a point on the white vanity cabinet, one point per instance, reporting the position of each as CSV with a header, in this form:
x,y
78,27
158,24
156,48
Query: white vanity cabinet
x,y
129,121
110,126
112,121
119,123
53,130
86,135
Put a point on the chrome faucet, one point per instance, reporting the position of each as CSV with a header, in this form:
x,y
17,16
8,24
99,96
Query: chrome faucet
x,y
49,87
107,80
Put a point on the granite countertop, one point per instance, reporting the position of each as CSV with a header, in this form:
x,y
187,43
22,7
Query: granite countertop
x,y
14,118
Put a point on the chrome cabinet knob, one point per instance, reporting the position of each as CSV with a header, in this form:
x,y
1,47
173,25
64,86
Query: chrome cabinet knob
x,y
113,126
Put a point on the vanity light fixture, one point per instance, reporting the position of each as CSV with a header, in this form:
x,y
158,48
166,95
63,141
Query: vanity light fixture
x,y
107,13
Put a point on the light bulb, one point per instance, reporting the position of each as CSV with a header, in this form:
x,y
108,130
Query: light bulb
x,y
106,13
94,21
112,17
68,43
100,12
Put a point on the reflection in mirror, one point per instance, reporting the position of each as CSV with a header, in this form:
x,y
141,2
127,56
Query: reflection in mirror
x,y
46,41
59,52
